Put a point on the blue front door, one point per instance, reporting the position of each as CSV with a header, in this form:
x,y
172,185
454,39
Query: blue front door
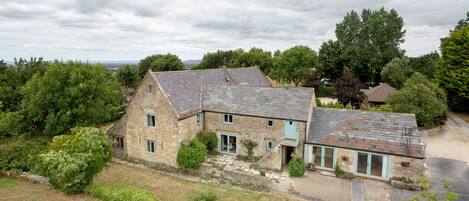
x,y
291,132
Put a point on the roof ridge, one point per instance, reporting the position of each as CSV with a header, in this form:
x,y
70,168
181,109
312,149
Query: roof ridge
x,y
365,111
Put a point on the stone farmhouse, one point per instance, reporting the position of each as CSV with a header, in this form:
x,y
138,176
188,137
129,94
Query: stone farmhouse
x,y
169,108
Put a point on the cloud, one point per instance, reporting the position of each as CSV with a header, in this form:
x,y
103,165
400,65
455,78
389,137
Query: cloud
x,y
130,30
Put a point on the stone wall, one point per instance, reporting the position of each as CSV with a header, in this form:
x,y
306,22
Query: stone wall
x,y
164,134
349,156
252,182
414,167
256,129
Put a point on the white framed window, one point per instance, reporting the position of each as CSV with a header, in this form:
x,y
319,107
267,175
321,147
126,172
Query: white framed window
x,y
200,117
228,118
269,145
228,144
150,146
151,121
149,88
270,123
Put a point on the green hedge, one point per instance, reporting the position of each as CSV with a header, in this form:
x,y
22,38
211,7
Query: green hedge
x,y
209,139
112,193
192,156
296,167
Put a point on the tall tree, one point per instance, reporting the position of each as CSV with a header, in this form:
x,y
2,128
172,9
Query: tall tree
x,y
425,64
463,22
220,58
313,79
396,72
453,69
12,78
254,57
128,77
330,58
293,64
347,89
160,62
420,97
370,41
68,95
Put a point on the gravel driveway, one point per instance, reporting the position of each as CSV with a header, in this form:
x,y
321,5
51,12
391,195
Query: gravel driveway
x,y
448,156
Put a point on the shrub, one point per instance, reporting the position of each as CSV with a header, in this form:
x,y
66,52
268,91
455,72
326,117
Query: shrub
x,y
23,156
339,172
73,160
192,155
249,145
296,167
112,193
324,91
208,196
209,139
9,122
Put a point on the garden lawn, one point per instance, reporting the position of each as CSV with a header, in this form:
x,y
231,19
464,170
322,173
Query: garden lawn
x,y
169,188
16,190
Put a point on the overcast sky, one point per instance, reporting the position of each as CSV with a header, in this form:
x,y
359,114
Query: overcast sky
x,y
130,30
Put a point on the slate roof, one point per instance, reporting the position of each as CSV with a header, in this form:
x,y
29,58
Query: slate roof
x,y
371,131
183,88
379,93
282,103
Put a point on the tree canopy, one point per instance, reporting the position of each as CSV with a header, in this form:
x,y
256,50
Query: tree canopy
x,y
347,89
12,78
425,64
69,94
420,97
453,69
293,64
366,42
237,58
160,62
220,58
128,75
396,72
330,58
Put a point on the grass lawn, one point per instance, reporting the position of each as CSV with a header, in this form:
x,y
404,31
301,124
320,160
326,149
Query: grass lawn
x,y
16,190
169,188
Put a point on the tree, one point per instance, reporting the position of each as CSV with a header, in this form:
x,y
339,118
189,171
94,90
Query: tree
x,y
370,41
69,94
12,78
396,72
293,64
347,89
73,160
420,97
313,79
220,58
463,22
452,72
160,62
129,78
330,58
255,57
425,64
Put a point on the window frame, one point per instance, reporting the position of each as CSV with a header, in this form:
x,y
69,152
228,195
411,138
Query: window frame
x,y
150,146
149,88
226,116
199,118
147,120
268,123
267,145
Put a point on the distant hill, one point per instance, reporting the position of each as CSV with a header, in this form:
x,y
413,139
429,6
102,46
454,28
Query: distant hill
x,y
190,63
